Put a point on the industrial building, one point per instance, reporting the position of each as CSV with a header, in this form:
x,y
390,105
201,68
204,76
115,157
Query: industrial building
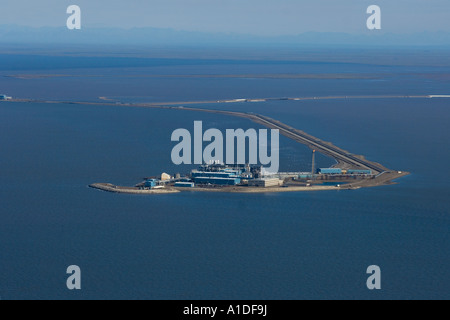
x,y
223,175
217,174
265,183
220,168
196,174
150,183
329,171
182,184
305,175
218,181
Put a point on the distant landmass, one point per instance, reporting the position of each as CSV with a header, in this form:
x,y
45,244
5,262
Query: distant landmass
x,y
157,36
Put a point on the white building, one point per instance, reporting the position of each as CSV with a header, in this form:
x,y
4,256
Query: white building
x,y
265,183
165,177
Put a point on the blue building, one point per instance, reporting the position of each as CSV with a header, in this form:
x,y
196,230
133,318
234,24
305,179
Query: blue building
x,y
220,174
329,171
217,174
185,184
218,181
151,183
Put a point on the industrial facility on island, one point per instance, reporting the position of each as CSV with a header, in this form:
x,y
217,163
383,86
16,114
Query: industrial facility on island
x,y
219,175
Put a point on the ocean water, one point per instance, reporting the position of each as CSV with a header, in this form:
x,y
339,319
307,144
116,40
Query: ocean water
x,y
314,245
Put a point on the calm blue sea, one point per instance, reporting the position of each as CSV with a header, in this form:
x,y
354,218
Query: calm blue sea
x,y
314,245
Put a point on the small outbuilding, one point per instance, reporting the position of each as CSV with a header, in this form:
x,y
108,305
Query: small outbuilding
x,y
165,177
265,183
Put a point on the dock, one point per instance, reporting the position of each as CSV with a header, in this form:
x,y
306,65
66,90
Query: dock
x,y
108,187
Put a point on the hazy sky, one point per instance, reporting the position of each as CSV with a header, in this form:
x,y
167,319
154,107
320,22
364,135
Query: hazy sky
x,y
258,17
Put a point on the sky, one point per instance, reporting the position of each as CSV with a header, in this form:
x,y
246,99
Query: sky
x,y
254,17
